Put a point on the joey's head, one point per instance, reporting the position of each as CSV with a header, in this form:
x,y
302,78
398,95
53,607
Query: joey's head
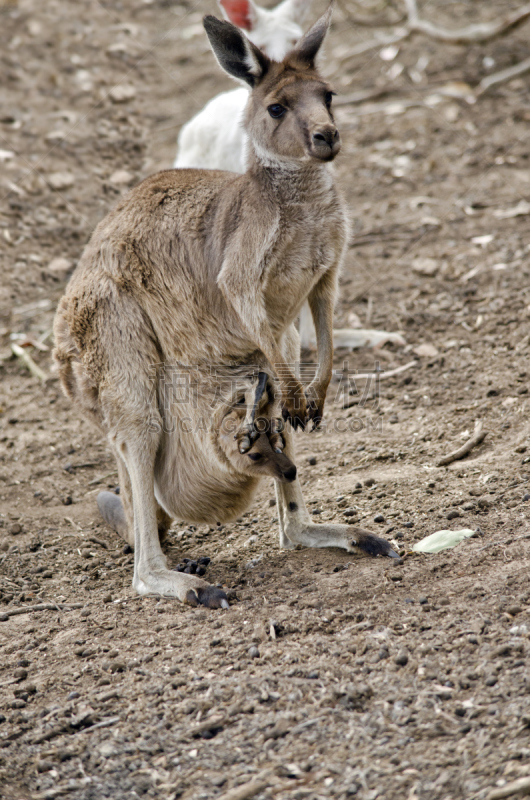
x,y
288,117
274,30
264,458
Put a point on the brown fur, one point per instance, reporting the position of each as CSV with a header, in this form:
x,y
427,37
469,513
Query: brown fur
x,y
209,268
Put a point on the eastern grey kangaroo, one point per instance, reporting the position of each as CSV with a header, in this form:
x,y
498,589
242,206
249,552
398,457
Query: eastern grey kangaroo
x,y
204,268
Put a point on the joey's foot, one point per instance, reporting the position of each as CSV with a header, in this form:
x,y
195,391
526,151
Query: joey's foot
x,y
372,544
111,509
276,439
246,437
211,597
354,540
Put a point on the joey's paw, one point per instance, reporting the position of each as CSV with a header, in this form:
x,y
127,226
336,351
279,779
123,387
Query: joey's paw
x,y
209,596
373,545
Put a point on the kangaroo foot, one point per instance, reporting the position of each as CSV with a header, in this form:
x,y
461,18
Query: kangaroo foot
x,y
187,588
111,509
347,537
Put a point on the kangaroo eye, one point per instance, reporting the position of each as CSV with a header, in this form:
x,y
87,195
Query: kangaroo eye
x,y
241,401
255,456
328,98
276,110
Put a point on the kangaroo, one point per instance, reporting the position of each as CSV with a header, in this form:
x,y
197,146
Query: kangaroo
x,y
210,268
215,138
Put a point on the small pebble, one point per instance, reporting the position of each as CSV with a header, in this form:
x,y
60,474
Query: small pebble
x,y
379,518
253,651
399,535
15,528
73,696
514,610
369,482
127,549
408,524
402,658
121,93
491,680
453,514
423,601
311,461
526,497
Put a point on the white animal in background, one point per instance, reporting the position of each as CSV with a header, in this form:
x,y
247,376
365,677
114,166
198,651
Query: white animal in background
x,y
215,137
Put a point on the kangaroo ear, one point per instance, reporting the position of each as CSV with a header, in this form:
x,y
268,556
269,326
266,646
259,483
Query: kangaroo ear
x,y
307,48
234,52
240,12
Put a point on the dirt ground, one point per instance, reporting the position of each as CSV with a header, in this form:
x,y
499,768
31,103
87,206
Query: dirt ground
x,y
367,678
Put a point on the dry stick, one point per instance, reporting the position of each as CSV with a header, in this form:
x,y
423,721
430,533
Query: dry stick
x,y
481,32
520,786
478,436
103,477
247,790
384,373
13,612
27,360
502,77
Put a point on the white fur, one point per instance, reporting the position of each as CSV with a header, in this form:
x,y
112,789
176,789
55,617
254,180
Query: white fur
x,y
214,138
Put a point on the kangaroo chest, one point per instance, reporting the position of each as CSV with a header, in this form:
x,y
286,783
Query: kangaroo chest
x,y
310,244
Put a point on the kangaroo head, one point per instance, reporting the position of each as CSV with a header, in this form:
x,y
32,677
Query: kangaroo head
x,y
288,115
265,457
275,30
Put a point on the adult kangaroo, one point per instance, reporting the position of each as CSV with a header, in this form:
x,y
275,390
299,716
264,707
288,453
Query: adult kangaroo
x,y
210,269
215,138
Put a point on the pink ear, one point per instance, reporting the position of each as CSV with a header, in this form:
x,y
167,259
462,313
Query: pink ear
x,y
239,12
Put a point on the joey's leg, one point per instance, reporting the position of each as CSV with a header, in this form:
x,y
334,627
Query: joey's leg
x,y
296,527
248,433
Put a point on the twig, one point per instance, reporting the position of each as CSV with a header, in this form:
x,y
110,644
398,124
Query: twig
x,y
478,436
503,76
383,373
102,477
481,32
520,786
98,541
13,612
249,789
27,360
105,723
72,523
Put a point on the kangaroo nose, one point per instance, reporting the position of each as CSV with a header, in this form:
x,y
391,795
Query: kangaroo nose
x,y
290,474
327,135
